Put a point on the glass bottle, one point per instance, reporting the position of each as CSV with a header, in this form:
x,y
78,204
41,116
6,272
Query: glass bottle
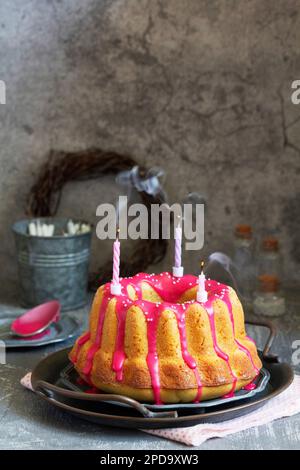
x,y
243,261
269,299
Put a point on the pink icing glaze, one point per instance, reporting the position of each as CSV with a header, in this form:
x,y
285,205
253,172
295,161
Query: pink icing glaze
x,y
220,353
94,348
119,354
152,358
80,342
226,299
251,386
169,289
179,310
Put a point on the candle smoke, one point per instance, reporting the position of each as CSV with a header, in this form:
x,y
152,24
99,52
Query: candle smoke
x,y
217,260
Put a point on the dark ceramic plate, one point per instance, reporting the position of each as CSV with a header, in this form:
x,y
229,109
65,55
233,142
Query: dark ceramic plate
x,y
66,328
95,408
69,379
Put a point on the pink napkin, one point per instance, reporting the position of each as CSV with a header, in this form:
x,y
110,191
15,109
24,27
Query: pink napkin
x,y
26,381
285,404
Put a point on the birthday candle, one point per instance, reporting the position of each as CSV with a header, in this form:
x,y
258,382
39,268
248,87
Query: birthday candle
x,y
178,239
201,293
116,262
177,268
115,287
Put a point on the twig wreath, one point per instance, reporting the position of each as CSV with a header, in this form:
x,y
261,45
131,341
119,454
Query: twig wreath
x,y
63,167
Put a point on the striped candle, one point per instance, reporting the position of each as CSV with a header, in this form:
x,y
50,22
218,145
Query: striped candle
x,y
177,268
178,241
116,263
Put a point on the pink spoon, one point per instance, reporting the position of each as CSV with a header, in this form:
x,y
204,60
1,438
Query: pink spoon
x,y
36,320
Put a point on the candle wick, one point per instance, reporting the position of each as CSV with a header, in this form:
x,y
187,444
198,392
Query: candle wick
x,y
118,232
202,266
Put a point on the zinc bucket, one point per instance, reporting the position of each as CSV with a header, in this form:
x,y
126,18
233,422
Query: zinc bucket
x,y
52,267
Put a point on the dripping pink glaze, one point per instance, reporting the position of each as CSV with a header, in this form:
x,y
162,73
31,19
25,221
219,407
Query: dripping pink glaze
x,y
220,353
95,346
179,310
152,318
170,289
251,386
225,298
223,294
167,287
80,342
119,354
123,304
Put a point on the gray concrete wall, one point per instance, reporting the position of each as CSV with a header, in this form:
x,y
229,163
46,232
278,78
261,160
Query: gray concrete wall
x,y
199,87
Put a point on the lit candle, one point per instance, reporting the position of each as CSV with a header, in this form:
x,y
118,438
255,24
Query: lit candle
x,y
178,269
201,293
115,286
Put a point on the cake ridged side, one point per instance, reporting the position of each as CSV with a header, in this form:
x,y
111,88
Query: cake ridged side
x,y
178,381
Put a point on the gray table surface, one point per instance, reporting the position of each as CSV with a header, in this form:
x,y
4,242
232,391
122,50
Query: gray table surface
x,y
27,422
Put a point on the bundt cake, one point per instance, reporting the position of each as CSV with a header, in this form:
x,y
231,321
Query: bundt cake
x,y
156,343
